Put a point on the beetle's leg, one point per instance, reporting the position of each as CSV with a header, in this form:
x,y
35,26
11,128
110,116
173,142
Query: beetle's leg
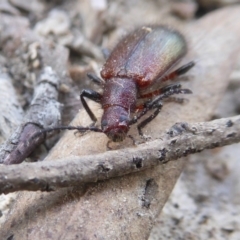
x,y
132,138
166,93
95,96
144,109
169,91
170,76
95,79
177,100
150,118
180,71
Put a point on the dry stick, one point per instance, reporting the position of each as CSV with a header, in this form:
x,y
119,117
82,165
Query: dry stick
x,y
181,140
37,117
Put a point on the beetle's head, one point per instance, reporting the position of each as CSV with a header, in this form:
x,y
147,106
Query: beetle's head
x,y
115,123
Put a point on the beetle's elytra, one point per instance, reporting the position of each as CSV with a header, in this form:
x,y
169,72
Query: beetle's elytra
x,y
136,69
145,55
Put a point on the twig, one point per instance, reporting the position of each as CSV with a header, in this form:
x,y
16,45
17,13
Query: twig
x,y
181,140
45,97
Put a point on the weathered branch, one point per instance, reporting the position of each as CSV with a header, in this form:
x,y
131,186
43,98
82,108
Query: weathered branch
x,y
45,97
181,140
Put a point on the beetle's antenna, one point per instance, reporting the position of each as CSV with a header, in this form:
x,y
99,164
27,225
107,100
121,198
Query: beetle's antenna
x,y
77,128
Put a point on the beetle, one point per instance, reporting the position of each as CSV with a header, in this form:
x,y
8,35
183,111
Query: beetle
x,y
136,70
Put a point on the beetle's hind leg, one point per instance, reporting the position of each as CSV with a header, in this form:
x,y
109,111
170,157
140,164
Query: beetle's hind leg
x,y
172,76
179,71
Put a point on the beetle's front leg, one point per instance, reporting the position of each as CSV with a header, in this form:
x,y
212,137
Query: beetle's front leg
x,y
95,96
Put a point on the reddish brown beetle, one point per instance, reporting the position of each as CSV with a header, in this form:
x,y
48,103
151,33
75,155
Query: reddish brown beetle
x,y
136,69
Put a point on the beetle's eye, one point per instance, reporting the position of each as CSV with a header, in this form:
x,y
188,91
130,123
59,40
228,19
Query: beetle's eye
x,y
104,123
123,118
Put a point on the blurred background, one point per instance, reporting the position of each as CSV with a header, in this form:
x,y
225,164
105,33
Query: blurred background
x,y
205,203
